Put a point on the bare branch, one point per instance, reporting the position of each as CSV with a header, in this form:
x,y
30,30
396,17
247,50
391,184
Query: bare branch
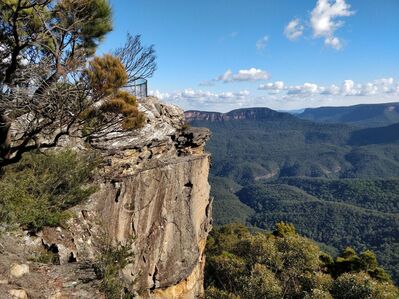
x,y
138,60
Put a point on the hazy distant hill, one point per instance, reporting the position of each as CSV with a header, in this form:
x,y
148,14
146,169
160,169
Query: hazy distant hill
x,y
238,114
339,184
365,115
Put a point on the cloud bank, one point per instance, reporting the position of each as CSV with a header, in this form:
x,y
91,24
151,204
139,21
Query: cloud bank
x,y
280,95
347,88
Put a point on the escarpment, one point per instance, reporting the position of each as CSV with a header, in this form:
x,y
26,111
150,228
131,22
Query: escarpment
x,y
153,195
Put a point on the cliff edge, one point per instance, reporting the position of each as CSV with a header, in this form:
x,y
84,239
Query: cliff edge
x,y
152,194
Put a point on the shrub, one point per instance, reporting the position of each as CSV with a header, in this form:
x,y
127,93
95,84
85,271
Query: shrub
x,y
215,293
261,283
106,74
284,264
45,256
38,191
361,285
111,261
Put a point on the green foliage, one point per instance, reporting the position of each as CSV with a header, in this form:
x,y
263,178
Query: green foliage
x,y
227,207
284,146
111,261
282,264
336,212
367,262
215,293
259,265
95,20
284,229
64,33
45,256
37,191
361,285
106,74
261,283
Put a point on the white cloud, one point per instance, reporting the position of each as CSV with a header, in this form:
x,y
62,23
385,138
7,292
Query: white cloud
x,y
387,85
199,95
280,95
158,94
348,88
294,29
333,42
306,88
324,21
226,77
278,85
368,89
330,90
251,74
262,42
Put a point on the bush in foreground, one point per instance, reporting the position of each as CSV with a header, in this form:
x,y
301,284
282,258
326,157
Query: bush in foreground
x,y
37,191
282,264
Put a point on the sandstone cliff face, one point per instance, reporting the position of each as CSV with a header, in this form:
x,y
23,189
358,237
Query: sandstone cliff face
x,y
153,193
166,209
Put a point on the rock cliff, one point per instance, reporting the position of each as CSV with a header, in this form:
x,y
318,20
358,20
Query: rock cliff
x,y
152,193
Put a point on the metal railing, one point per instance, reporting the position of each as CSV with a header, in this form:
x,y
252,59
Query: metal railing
x,y
138,88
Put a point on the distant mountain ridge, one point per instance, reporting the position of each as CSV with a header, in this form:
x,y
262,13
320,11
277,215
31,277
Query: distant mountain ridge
x,y
238,114
364,115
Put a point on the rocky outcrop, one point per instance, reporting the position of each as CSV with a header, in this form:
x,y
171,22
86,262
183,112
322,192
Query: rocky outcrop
x,y
153,194
160,198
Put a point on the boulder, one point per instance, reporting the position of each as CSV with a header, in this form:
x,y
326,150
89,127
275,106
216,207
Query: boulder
x,y
19,270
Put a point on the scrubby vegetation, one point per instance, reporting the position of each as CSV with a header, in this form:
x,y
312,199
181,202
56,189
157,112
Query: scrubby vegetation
x,y
111,260
107,75
283,264
38,191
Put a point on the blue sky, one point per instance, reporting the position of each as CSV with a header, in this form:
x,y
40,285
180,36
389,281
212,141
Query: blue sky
x,y
226,54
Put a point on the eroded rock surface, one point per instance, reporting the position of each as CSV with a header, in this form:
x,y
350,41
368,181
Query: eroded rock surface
x,y
153,193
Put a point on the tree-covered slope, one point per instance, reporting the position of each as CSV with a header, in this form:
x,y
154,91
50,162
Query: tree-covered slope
x,y
338,213
365,115
283,264
337,183
279,144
